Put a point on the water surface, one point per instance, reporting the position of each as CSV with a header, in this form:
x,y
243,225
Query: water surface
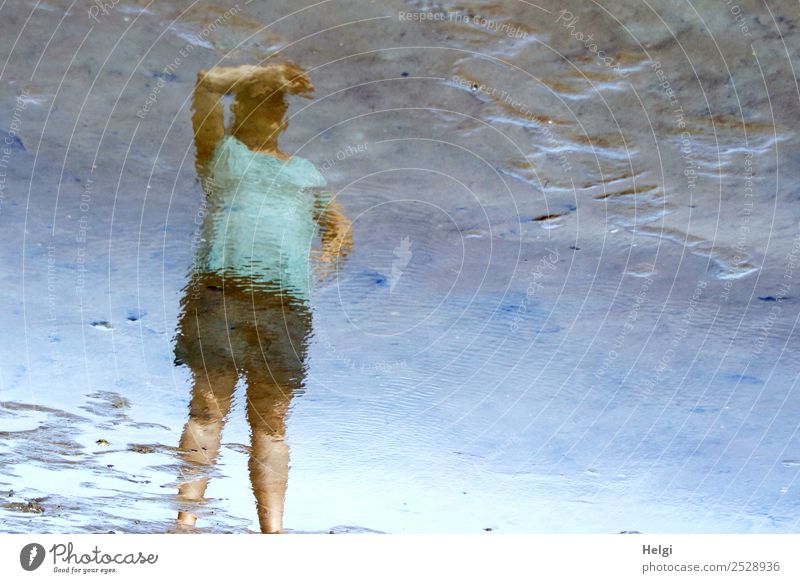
x,y
572,297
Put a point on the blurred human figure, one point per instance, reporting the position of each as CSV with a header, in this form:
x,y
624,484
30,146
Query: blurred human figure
x,y
245,312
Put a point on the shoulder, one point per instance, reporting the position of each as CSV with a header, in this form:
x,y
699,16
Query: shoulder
x,y
239,158
304,173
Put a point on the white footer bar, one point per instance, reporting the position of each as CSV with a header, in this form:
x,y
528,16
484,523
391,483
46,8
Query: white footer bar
x,y
374,558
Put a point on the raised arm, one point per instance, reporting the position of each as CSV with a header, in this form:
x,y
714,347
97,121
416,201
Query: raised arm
x,y
256,82
336,236
208,117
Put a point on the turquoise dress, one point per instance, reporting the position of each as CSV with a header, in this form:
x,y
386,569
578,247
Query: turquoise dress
x,y
260,224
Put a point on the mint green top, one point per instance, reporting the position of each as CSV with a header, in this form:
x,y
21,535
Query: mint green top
x,y
260,223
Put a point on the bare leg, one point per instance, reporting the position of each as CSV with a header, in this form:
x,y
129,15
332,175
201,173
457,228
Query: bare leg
x,y
211,401
267,405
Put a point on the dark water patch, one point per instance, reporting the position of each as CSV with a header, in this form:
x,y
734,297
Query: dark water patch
x,y
705,409
136,314
374,278
164,75
630,192
548,217
743,379
13,142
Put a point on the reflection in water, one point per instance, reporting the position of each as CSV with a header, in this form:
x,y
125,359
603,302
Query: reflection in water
x,y
245,310
457,377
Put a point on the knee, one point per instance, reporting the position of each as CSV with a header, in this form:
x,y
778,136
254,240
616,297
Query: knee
x,y
209,405
269,439
268,420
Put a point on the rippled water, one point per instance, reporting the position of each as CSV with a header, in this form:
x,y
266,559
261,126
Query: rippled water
x,y
571,301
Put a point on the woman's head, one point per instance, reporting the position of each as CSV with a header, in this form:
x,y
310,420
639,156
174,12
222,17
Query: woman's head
x,y
259,105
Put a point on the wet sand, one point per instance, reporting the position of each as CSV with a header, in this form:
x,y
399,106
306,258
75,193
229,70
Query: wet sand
x,y
571,302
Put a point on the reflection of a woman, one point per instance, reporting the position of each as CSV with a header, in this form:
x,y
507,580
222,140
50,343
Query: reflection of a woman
x,y
245,312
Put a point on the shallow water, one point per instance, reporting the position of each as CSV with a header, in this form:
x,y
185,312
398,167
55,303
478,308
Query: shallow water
x,y
571,302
